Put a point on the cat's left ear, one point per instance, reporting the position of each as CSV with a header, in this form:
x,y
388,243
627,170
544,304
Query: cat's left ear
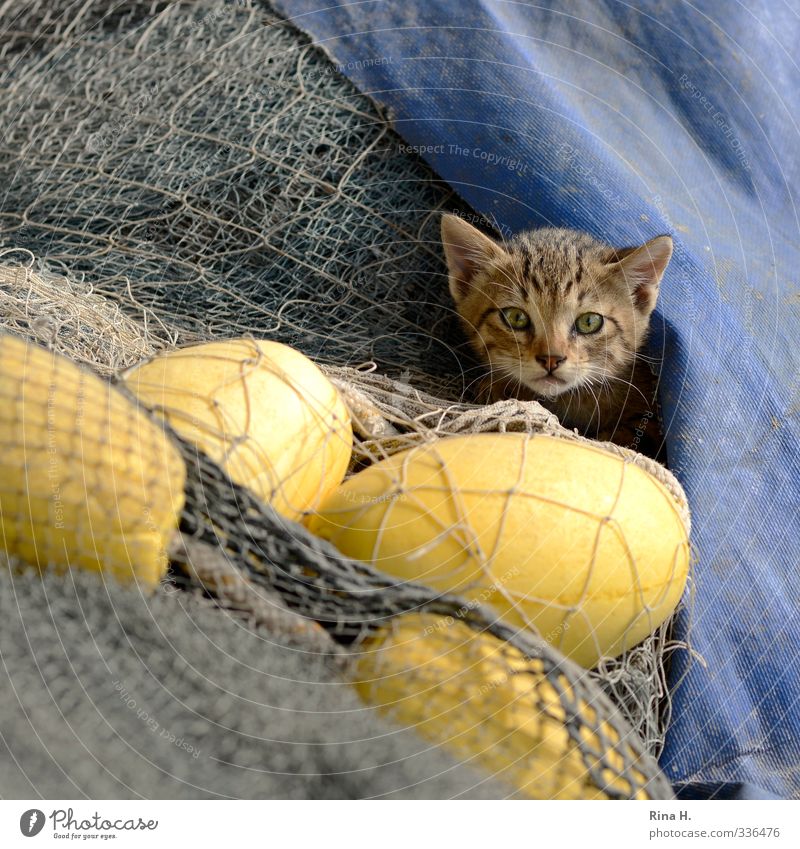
x,y
467,251
642,269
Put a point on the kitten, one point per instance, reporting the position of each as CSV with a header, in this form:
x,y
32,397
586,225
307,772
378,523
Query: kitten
x,y
559,317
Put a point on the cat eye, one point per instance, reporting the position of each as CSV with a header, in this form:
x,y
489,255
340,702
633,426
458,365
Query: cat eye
x,y
515,318
589,322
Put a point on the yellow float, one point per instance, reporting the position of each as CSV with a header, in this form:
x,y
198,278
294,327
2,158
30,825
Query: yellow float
x,y
86,480
260,409
587,548
485,702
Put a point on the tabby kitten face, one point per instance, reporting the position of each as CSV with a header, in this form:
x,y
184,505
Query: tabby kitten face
x,y
554,310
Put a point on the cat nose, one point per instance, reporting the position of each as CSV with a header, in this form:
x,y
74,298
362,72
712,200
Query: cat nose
x,y
550,361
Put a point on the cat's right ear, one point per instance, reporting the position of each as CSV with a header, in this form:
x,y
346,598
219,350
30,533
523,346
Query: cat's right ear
x,y
467,251
642,269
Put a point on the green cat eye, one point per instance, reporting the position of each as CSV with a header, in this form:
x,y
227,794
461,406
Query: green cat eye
x,y
515,318
589,322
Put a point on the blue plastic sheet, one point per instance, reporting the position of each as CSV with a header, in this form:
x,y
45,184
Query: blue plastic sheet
x,y
629,120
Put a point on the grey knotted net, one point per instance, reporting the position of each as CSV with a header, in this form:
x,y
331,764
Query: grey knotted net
x,y
174,172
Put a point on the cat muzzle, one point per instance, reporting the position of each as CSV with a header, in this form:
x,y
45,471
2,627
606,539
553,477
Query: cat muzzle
x,y
550,362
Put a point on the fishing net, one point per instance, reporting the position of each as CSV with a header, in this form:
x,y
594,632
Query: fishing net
x,y
111,694
88,484
205,168
176,172
575,744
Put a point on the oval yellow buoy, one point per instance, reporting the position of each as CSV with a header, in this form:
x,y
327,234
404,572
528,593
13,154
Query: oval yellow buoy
x,y
86,480
561,535
260,409
489,705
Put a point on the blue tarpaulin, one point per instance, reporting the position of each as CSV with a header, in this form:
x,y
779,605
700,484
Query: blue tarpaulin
x,y
629,120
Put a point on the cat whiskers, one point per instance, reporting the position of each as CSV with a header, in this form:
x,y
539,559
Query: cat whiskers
x,y
587,386
640,356
473,377
500,370
604,378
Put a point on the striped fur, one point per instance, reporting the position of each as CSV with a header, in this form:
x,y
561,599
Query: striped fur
x,y
595,383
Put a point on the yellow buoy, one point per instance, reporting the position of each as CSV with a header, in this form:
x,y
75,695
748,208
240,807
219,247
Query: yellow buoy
x,y
587,548
86,480
262,410
485,702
